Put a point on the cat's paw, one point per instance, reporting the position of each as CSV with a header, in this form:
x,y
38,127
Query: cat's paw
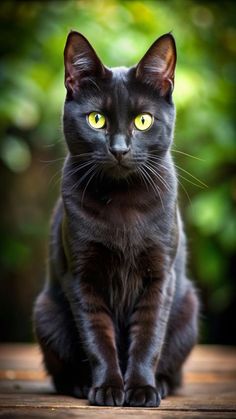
x,y
81,392
162,388
106,396
147,396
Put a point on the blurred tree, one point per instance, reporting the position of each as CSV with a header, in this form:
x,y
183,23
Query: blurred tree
x,y
32,36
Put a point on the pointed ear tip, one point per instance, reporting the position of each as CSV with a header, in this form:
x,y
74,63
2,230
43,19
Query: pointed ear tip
x,y
169,36
74,34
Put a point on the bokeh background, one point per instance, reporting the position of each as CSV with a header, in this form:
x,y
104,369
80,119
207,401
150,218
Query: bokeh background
x,y
32,37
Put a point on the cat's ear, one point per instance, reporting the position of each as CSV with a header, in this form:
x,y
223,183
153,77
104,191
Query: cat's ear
x,y
157,67
81,62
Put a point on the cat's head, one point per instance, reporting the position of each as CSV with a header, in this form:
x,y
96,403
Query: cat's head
x,y
120,119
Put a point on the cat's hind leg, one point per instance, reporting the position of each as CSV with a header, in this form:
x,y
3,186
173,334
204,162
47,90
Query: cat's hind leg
x,y
181,337
58,337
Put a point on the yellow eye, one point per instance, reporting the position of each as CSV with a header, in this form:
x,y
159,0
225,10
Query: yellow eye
x,y
96,120
143,121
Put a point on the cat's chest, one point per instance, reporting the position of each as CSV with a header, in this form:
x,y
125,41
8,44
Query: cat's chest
x,y
116,231
120,214
119,209
117,220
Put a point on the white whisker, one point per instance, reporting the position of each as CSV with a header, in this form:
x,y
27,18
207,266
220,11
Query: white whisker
x,y
96,171
152,183
82,178
200,185
158,175
178,176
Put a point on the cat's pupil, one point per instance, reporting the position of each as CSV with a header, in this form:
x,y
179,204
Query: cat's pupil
x,y
142,119
97,118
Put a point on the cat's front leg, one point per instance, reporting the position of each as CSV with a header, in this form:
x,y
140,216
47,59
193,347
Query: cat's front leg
x,y
147,331
107,381
98,336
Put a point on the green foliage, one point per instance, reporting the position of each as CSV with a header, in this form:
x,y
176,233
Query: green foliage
x,y
32,92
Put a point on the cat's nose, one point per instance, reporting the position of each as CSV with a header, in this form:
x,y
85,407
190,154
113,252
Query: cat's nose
x,y
119,146
119,152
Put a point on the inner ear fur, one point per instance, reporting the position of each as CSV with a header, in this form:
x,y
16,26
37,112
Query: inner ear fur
x,y
157,67
81,61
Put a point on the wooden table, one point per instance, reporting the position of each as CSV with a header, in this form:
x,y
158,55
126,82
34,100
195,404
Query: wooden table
x,y
209,389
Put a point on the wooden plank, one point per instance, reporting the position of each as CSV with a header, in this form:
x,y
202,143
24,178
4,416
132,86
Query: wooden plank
x,y
209,389
20,356
192,397
26,413
25,362
212,358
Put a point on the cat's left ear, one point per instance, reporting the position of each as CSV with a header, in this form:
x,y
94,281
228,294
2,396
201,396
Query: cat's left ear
x,y
157,67
81,62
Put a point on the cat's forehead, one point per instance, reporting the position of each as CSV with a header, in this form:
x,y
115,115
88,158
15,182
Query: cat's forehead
x,y
120,91
119,74
118,88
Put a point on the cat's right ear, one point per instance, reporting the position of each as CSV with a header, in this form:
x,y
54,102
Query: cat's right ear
x,y
81,62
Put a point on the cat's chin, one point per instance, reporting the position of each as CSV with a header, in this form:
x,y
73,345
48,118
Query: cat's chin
x,y
119,171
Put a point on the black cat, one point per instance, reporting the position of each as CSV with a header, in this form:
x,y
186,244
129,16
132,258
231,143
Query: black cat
x,y
117,316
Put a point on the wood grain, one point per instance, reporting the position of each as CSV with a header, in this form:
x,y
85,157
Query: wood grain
x,y
209,389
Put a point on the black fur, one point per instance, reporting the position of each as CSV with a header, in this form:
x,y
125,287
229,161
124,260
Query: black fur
x,y
117,316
